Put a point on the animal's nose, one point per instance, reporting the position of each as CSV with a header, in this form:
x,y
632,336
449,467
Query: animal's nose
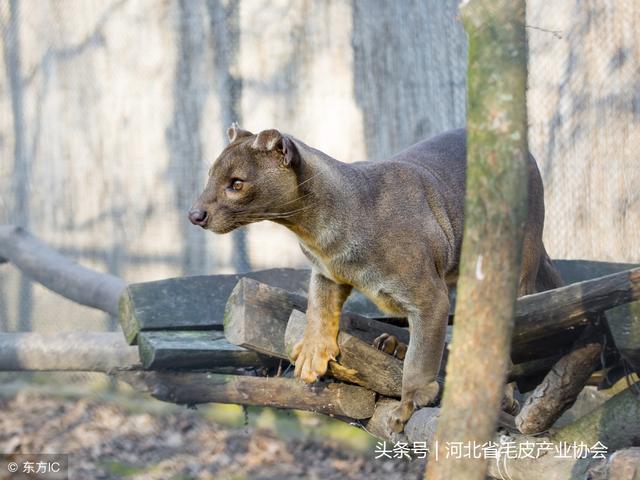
x,y
198,217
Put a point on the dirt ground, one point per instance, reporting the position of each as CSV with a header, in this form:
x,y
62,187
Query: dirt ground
x,y
108,441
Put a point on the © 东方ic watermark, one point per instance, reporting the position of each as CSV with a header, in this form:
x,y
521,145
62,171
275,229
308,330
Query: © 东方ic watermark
x,y
34,466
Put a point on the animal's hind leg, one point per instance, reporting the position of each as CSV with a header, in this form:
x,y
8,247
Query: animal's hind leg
x,y
422,363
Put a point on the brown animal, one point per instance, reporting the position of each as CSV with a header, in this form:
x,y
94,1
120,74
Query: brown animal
x,y
391,229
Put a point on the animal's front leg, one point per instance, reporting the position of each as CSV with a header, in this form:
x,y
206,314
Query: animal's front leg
x,y
422,362
319,344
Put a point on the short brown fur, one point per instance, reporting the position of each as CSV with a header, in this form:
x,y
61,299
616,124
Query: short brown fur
x,y
392,229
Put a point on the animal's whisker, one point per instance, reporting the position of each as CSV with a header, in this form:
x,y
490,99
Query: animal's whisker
x,y
290,201
287,193
274,215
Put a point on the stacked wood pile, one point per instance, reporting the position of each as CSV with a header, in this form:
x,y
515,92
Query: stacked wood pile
x,y
227,338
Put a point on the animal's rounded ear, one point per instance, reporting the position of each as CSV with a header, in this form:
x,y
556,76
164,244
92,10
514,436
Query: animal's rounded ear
x,y
267,140
234,132
273,140
290,152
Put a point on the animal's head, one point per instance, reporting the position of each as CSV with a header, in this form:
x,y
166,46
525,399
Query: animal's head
x,y
253,179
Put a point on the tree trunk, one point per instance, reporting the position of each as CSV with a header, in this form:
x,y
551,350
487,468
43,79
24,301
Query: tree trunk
x,y
495,211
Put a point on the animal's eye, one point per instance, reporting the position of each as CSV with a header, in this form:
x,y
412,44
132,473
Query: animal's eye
x,y
236,184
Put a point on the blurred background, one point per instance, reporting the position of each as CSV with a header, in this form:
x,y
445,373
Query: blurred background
x,y
112,111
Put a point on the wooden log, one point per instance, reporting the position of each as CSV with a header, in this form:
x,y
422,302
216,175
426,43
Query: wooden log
x,y
256,317
421,427
532,367
76,351
561,386
198,302
59,274
545,314
571,271
258,325
361,364
192,349
193,388
368,329
358,362
192,303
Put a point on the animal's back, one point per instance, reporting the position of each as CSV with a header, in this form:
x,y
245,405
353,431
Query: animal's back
x,y
444,157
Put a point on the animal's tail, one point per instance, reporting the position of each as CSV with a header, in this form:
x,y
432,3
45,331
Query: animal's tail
x,y
548,276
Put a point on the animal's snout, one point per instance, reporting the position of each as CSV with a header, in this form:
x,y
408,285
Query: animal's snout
x,y
198,217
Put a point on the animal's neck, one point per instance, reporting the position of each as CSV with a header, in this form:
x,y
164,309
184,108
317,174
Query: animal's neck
x,y
326,193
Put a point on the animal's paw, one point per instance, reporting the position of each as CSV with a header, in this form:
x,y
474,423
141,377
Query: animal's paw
x,y
419,397
311,357
510,405
389,344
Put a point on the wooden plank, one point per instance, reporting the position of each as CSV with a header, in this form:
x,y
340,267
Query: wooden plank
x,y
192,349
257,314
198,302
358,362
200,387
192,303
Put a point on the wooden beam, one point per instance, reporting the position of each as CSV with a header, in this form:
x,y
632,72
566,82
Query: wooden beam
x,y
76,351
193,303
256,317
192,349
59,274
194,388
531,367
368,329
358,362
545,323
543,315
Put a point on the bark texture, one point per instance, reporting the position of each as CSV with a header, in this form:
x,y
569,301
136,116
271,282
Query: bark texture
x,y
495,209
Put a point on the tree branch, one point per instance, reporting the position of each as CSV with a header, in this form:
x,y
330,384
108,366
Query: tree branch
x,y
77,351
59,274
